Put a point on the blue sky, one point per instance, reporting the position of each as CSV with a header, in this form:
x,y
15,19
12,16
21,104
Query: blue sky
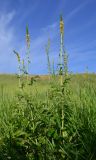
x,y
42,17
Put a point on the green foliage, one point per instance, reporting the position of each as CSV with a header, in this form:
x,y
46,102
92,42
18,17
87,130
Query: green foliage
x,y
31,128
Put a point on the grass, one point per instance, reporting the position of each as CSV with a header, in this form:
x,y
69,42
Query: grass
x,y
10,82
31,124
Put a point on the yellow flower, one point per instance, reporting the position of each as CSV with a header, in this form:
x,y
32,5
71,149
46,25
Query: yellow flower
x,y
61,25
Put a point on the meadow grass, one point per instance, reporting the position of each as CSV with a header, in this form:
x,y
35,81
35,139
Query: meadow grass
x,y
30,120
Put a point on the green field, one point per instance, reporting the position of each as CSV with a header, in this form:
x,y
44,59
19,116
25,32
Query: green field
x,y
9,85
48,121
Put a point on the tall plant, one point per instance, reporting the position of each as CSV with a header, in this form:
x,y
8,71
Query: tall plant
x,y
19,67
23,65
28,50
47,47
65,64
61,69
61,49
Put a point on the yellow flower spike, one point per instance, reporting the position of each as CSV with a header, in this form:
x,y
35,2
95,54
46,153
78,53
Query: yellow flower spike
x,y
61,25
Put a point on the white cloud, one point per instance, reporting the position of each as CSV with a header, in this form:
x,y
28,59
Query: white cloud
x,y
76,10
81,28
50,27
6,33
26,12
7,41
47,32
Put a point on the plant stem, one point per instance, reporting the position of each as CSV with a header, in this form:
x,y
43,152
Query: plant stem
x,y
19,74
48,59
61,70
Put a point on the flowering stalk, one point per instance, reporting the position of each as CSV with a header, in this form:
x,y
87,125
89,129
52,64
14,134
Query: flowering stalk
x,y
19,67
48,59
23,73
61,69
28,50
65,64
53,68
61,49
